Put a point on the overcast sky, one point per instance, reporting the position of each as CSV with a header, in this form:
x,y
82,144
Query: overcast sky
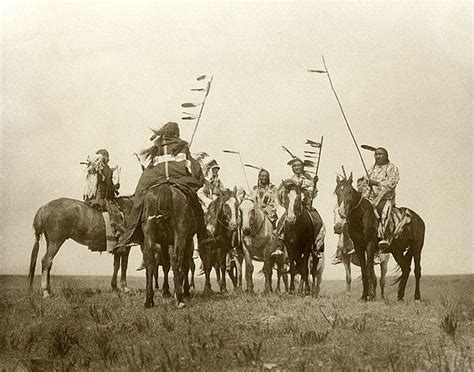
x,y
78,77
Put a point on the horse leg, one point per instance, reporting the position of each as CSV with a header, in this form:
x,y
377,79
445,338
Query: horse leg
x,y
123,271
267,271
417,259
248,270
372,279
363,270
205,254
192,269
383,274
113,283
46,263
177,257
166,286
150,261
404,261
346,260
156,273
305,272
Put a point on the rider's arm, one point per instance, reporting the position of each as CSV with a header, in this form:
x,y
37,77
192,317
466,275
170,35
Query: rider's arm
x,y
392,178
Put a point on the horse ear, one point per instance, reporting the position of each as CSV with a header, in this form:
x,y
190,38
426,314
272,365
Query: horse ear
x,y
234,191
338,179
350,179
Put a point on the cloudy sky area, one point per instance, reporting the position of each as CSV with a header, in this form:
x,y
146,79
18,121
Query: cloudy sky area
x,y
78,77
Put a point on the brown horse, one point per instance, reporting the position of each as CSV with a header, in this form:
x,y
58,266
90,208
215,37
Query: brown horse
x,y
299,239
360,215
63,219
168,225
221,223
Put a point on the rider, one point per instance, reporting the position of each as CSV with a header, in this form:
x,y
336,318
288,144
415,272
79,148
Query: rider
x,y
213,186
264,193
101,198
309,190
379,189
170,162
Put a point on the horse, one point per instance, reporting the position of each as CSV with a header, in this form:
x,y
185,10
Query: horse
x,y
65,218
221,223
299,238
168,219
360,215
257,239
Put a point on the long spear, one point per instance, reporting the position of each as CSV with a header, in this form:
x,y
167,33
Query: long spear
x,y
200,111
326,71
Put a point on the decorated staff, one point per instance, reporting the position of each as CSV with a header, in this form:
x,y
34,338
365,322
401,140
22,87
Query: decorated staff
x,y
314,155
190,116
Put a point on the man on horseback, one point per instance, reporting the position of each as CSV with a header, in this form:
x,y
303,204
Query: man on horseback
x,y
379,189
264,193
170,162
213,186
309,190
100,190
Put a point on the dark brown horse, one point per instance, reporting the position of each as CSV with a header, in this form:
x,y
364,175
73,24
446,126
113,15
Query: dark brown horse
x,y
360,215
168,225
221,223
63,219
299,238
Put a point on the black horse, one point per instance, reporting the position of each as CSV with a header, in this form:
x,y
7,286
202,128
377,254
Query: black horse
x,y
299,238
362,221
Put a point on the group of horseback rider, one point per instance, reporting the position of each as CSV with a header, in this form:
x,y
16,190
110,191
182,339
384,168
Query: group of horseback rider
x,y
170,161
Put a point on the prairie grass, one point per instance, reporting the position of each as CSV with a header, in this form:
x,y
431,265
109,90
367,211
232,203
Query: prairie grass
x,y
86,326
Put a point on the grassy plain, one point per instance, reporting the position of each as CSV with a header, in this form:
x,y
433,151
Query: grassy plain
x,y
86,326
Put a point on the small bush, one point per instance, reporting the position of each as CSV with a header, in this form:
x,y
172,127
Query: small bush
x,y
249,353
62,341
310,337
449,323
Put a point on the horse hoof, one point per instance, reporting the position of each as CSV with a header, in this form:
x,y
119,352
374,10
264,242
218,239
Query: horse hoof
x,y
166,294
180,305
149,304
115,289
46,294
126,290
400,299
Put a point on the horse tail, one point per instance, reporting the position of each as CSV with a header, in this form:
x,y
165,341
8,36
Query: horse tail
x,y
164,201
39,230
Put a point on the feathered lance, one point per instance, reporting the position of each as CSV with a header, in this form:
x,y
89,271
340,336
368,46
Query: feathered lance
x,y
202,107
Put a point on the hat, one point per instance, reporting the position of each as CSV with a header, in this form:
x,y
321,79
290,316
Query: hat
x,y
170,129
295,160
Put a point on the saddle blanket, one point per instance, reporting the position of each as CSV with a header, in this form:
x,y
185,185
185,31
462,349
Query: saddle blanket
x,y
110,239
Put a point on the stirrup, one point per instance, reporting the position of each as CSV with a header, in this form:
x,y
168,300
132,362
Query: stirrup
x,y
383,245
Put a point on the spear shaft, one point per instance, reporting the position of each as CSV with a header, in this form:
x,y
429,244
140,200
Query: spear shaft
x,y
345,118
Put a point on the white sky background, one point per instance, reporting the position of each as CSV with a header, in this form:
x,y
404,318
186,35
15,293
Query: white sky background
x,y
78,77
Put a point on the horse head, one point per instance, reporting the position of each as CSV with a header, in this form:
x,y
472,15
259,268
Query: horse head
x,y
247,214
222,212
290,196
347,196
228,214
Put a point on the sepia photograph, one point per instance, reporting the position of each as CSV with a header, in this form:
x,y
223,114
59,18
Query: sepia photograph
x,y
236,185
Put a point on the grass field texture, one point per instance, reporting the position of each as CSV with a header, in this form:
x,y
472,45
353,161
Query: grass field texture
x,y
86,326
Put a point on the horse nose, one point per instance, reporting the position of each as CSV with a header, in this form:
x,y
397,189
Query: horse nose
x,y
291,219
232,226
246,231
